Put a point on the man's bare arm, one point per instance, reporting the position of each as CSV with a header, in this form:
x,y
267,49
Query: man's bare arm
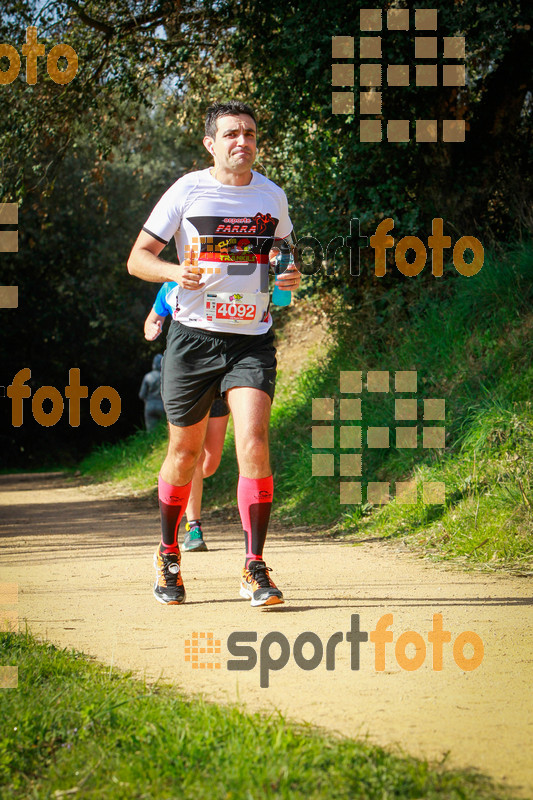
x,y
144,262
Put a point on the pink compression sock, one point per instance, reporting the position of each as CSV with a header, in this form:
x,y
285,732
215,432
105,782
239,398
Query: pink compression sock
x,y
172,503
254,499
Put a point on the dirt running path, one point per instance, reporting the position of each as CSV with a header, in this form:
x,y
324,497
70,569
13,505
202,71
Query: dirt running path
x,y
83,564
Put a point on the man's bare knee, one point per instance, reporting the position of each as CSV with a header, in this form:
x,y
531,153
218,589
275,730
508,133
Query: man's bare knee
x,y
182,457
211,464
253,450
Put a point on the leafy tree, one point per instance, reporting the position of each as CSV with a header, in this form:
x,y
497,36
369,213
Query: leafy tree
x,y
78,307
87,159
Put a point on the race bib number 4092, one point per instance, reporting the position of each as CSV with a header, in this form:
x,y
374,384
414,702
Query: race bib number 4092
x,y
236,308
234,311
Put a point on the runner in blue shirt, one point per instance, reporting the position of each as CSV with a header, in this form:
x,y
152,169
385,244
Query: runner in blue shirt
x,y
216,428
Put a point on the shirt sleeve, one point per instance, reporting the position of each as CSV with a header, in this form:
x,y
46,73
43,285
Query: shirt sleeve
x,y
284,226
166,216
161,306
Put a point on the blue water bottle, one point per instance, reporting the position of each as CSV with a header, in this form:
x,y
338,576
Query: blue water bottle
x,y
280,297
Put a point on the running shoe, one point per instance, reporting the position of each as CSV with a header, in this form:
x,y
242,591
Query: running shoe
x,y
168,586
257,585
193,537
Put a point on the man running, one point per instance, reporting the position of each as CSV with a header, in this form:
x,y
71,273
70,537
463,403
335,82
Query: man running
x,y
224,221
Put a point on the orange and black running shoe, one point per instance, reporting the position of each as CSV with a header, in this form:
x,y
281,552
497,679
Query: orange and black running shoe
x,y
168,586
258,586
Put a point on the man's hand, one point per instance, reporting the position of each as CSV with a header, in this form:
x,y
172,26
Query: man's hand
x,y
153,325
152,330
290,279
188,276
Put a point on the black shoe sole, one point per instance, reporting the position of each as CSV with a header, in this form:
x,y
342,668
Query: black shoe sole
x,y
163,602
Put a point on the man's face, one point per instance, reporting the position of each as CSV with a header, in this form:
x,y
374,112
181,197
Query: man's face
x,y
234,146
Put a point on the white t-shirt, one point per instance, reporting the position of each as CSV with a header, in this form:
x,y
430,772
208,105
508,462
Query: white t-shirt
x,y
229,230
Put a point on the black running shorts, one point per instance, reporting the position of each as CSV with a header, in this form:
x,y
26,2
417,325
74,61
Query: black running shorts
x,y
200,365
219,408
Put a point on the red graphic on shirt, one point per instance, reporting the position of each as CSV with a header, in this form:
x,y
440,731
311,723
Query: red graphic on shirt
x,y
262,222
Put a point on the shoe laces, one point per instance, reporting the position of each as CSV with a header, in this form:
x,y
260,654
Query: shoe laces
x,y
168,561
259,572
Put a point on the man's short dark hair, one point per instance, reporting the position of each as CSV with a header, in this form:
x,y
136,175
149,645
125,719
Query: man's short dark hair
x,y
233,107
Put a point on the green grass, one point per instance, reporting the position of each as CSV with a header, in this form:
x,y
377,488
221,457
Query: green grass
x,y
136,460
471,344
77,729
487,517
470,340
